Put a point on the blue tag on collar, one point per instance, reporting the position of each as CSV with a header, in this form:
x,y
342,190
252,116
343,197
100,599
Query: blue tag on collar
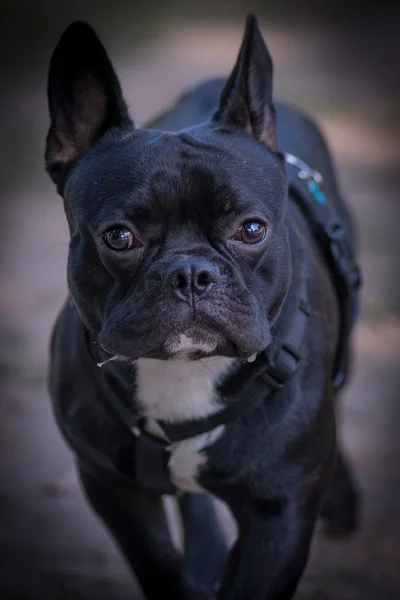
x,y
316,191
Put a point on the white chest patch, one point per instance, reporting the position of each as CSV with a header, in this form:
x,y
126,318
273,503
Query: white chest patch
x,y
181,390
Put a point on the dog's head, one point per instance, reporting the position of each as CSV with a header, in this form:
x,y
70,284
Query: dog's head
x,y
178,244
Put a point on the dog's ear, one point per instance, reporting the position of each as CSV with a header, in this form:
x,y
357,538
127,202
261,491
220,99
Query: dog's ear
x,y
85,99
246,100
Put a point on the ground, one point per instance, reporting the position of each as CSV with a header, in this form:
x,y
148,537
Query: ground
x,y
51,545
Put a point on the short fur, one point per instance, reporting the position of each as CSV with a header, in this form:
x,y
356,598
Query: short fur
x,y
191,290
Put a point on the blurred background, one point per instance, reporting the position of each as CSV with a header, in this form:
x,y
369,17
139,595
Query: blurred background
x,y
339,61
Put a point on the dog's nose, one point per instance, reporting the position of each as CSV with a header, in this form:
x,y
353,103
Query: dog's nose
x,y
192,277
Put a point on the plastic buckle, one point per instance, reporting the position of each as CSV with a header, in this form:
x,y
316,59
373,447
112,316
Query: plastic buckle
x,y
271,380
279,372
291,350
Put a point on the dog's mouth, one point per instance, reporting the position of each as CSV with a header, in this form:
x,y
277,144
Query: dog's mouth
x,y
193,343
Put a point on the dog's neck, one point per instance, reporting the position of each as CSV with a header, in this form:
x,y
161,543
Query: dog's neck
x,y
180,390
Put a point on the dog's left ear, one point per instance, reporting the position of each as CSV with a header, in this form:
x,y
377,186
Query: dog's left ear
x,y
246,100
85,99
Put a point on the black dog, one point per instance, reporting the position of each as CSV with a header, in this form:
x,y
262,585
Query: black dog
x,y
212,293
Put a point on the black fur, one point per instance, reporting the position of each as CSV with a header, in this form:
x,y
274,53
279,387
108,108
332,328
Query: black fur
x,y
183,189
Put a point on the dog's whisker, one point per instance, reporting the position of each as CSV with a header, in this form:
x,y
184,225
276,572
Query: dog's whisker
x,y
116,357
113,358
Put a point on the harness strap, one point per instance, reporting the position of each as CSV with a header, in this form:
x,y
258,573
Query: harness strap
x,y
332,237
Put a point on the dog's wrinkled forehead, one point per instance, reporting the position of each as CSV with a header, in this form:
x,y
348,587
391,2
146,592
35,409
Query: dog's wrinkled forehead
x,y
194,175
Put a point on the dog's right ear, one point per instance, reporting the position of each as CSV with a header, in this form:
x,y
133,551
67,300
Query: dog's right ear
x,y
246,100
85,99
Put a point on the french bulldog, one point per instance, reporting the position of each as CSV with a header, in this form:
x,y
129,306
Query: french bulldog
x,y
187,257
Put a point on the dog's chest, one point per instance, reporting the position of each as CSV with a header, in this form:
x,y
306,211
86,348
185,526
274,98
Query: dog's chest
x,y
176,391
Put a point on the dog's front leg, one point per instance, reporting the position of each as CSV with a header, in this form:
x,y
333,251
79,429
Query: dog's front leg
x,y
136,520
270,554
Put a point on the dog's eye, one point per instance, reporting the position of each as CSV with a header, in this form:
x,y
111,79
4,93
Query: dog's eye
x,y
251,232
120,239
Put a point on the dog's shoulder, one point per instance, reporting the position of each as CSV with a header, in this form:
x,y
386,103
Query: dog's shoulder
x,y
77,398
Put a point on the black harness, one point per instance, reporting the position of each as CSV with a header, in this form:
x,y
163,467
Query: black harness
x,y
146,457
